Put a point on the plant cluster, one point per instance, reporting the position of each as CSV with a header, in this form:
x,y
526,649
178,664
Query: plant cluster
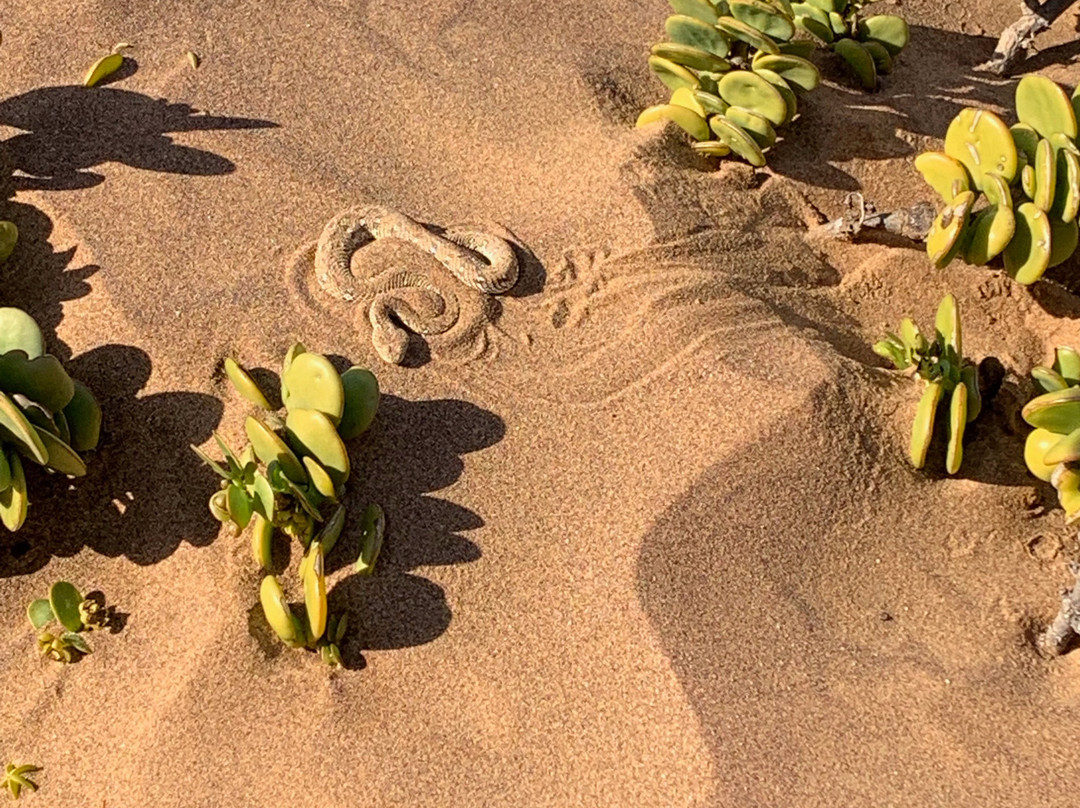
x,y
733,67
75,614
1052,450
733,73
45,415
948,376
868,45
1012,191
291,477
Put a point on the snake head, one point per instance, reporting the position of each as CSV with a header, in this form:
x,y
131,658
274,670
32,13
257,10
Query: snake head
x,y
391,342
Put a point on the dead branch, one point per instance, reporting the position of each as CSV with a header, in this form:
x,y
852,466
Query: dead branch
x,y
1057,636
912,223
1019,37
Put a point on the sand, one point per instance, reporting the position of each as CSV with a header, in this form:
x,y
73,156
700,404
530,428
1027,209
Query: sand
x,y
653,537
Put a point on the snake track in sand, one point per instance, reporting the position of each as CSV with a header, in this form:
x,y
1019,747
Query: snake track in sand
x,y
425,303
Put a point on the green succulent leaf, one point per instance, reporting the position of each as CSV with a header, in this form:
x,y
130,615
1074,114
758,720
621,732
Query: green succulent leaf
x,y
62,458
5,472
76,641
372,529
312,433
83,416
1067,363
892,352
244,384
1049,380
9,237
40,613
361,402
16,429
235,466
263,497
1057,411
64,599
13,501
958,418
922,430
41,379
331,530
19,332
270,448
282,483
240,505
970,376
213,464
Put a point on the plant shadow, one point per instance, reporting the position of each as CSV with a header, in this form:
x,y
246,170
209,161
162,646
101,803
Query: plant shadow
x,y
37,278
413,449
69,130
144,492
65,133
840,122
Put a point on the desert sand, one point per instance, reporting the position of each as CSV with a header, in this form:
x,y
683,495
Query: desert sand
x,y
653,537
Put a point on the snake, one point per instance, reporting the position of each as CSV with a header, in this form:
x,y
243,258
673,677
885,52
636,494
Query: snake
x,y
424,303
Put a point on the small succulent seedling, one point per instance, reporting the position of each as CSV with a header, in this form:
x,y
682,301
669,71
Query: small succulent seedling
x,y
1009,191
733,71
291,477
106,65
1052,450
948,376
74,613
15,779
868,45
45,415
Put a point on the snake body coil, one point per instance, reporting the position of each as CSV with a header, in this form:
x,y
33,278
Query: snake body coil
x,y
424,303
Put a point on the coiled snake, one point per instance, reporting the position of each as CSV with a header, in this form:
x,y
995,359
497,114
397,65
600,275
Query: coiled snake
x,y
424,303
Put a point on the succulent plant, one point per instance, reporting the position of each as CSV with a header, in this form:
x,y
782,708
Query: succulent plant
x,y
948,376
15,779
45,415
75,614
733,72
1009,191
291,477
734,67
868,45
1052,450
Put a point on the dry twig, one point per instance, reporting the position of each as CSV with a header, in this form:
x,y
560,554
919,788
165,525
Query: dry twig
x,y
1057,636
1019,37
913,223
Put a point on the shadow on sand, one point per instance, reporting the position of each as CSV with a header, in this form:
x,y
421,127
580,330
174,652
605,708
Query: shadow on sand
x,y
142,491
840,122
68,131
413,448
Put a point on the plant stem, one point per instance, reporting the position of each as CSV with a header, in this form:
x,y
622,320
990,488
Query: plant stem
x,y
1015,40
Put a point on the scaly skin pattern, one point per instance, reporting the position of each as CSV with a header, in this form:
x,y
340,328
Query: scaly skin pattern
x,y
458,250
425,304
